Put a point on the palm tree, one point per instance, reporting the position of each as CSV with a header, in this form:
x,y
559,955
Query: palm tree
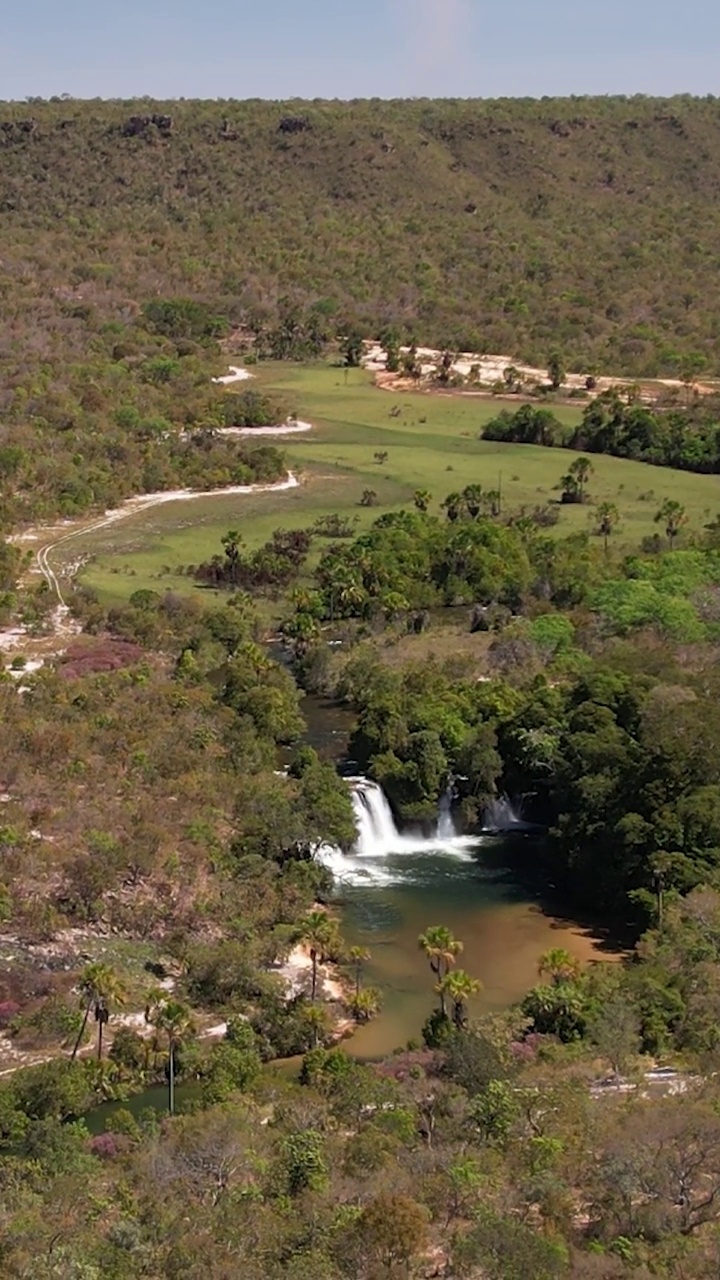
x,y
316,1019
345,592
582,469
100,989
556,370
493,498
358,956
559,966
366,1004
317,931
231,542
673,515
573,484
473,498
607,518
173,1020
422,499
452,506
442,950
459,986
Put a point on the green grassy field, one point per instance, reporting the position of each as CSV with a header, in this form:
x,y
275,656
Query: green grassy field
x,y
431,444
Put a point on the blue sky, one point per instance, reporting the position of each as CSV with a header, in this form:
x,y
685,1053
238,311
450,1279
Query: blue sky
x,y
383,48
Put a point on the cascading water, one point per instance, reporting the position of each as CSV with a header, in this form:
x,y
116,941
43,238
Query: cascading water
x,y
501,816
446,826
377,833
382,855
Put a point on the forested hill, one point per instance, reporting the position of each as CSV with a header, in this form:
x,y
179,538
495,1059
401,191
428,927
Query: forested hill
x,y
589,224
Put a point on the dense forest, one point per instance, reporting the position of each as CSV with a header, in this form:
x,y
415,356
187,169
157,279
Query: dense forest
x,y
584,225
687,438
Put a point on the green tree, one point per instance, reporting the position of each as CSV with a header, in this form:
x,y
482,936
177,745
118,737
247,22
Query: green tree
x,y
453,506
557,1010
422,499
558,965
673,516
459,987
318,932
472,496
316,1024
556,370
358,956
366,1004
100,988
691,365
615,1029
574,483
173,1022
352,349
231,542
303,1161
442,950
606,518
495,1110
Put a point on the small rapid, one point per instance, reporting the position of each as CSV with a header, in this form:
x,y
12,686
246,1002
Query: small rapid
x,y
382,855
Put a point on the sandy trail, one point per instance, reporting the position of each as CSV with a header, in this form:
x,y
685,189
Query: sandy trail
x,y
134,505
15,641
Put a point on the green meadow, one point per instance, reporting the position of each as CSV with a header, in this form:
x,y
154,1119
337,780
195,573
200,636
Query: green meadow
x,y
432,443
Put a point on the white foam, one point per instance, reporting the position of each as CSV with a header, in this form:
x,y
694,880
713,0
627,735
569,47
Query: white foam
x,y
284,429
380,849
236,374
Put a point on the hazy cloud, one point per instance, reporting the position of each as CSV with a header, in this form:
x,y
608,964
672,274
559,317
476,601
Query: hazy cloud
x,y
436,30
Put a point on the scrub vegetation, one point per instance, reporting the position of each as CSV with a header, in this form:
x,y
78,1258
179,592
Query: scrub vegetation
x,y
518,603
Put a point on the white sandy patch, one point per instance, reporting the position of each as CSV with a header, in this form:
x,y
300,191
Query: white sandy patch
x,y
284,429
236,374
32,664
219,1030
134,1020
296,974
491,370
12,638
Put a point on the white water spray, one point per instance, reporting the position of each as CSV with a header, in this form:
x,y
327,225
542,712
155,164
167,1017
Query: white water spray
x,y
500,815
446,826
377,855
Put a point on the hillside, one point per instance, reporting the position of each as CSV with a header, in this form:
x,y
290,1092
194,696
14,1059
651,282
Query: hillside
x,y
588,225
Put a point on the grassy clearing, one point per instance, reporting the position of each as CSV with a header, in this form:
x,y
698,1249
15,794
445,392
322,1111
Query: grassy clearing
x,y
432,444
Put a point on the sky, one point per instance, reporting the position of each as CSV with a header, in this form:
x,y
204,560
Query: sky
x,y
370,48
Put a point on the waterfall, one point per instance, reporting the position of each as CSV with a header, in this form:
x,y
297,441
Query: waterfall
x,y
377,833
501,816
382,855
446,826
